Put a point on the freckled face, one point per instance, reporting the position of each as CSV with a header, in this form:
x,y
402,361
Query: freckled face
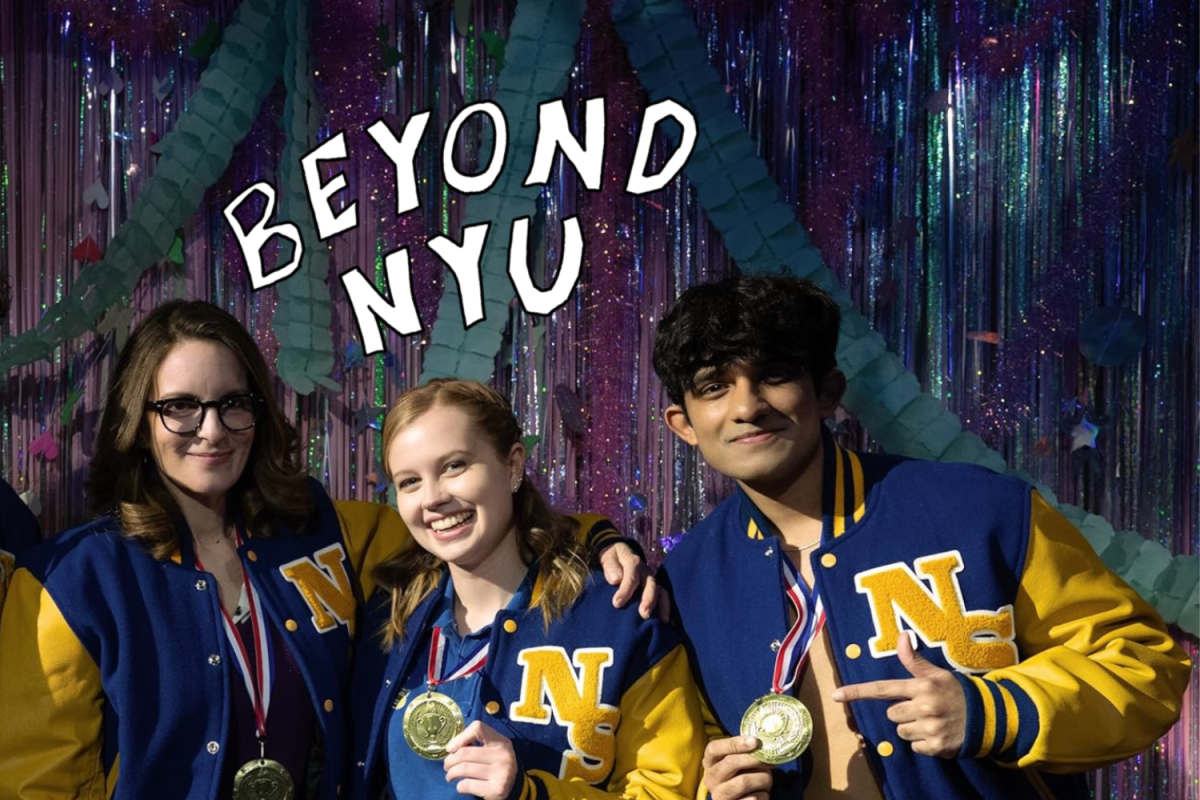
x,y
206,464
453,490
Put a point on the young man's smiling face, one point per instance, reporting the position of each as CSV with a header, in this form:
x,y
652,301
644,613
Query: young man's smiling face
x,y
757,423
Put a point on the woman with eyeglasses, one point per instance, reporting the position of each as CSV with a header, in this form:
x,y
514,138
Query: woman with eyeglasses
x,y
193,641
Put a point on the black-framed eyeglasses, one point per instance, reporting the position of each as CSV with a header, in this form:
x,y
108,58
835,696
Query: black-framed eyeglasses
x,y
185,415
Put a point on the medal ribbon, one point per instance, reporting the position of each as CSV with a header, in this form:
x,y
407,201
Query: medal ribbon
x,y
473,662
258,685
794,651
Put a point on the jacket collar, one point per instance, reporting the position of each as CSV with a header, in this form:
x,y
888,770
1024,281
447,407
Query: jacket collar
x,y
843,495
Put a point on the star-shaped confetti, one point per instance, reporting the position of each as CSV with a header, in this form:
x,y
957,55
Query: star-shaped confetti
x,y
116,321
353,357
1084,434
366,416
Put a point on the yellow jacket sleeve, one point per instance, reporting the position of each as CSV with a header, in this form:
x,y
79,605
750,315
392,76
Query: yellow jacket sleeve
x,y
7,562
712,731
596,533
50,729
372,532
660,743
1100,678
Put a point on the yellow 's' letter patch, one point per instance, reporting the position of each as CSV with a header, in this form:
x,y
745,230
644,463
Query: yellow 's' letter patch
x,y
551,687
326,589
973,641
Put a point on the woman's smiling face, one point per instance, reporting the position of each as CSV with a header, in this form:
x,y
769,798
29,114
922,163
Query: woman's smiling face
x,y
453,489
206,464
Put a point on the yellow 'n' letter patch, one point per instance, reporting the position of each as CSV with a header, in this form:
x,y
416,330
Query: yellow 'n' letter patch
x,y
973,641
550,686
326,588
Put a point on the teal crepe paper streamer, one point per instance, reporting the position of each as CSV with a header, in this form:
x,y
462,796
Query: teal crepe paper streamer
x,y
219,114
741,199
303,318
537,63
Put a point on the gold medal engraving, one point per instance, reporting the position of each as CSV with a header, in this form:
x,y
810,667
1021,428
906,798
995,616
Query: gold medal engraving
x,y
782,725
430,722
263,779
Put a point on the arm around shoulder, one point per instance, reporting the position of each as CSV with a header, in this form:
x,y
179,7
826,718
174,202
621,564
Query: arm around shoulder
x,y
1100,678
372,532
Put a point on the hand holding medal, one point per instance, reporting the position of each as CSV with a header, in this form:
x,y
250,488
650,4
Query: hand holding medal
x,y
484,761
732,772
780,722
433,720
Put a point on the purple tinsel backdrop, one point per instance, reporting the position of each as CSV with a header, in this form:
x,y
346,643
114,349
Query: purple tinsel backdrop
x,y
982,177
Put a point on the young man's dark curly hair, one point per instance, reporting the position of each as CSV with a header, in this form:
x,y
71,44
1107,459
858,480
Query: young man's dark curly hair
x,y
755,319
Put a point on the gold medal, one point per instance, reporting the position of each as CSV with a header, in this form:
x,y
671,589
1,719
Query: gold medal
x,y
782,725
430,722
263,779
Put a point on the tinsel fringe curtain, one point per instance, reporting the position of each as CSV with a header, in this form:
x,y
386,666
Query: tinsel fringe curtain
x,y
982,176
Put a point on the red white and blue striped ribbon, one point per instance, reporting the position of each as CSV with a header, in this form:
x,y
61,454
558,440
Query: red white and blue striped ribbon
x,y
473,662
258,681
789,663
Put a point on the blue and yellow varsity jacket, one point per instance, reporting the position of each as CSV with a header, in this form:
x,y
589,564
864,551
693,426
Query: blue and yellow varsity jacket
x,y
106,652
18,533
1064,666
603,702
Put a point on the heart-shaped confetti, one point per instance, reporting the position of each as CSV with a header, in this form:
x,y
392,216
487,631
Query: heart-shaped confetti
x,y
97,194
163,87
44,446
87,251
112,83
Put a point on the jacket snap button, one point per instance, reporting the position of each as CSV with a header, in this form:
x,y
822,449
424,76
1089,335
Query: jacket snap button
x,y
885,749
214,660
492,707
201,585
510,626
213,748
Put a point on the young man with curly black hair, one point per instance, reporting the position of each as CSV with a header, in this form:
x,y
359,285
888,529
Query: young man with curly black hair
x,y
869,626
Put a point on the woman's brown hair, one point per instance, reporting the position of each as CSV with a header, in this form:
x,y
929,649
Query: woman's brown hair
x,y
545,535
124,480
